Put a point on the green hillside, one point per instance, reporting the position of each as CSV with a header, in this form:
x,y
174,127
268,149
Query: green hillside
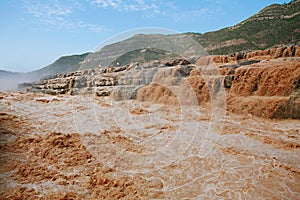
x,y
274,25
62,65
179,44
142,55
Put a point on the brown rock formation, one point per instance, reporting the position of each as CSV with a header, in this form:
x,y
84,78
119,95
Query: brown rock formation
x,y
263,83
274,80
266,89
279,52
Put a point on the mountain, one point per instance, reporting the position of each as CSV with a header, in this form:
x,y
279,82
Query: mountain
x,y
142,55
10,80
62,65
274,25
4,73
179,44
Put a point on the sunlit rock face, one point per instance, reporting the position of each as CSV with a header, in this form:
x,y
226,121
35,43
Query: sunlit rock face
x,y
261,83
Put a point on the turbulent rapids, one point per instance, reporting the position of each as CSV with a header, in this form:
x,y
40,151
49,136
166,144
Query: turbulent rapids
x,y
156,130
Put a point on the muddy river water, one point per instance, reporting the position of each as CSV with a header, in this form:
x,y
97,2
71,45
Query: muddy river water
x,y
81,147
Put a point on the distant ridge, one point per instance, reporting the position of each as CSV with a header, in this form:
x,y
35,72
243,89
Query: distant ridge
x,y
63,64
9,80
275,25
4,73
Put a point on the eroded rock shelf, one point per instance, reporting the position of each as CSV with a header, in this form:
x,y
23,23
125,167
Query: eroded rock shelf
x,y
261,83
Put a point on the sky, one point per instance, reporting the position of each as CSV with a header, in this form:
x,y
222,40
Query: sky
x,y
34,33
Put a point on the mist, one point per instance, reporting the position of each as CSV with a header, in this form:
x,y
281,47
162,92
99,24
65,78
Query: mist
x,y
9,80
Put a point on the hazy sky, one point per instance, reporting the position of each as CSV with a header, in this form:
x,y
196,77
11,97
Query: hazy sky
x,y
34,33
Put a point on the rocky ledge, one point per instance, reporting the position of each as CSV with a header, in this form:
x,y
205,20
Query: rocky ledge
x,y
261,83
